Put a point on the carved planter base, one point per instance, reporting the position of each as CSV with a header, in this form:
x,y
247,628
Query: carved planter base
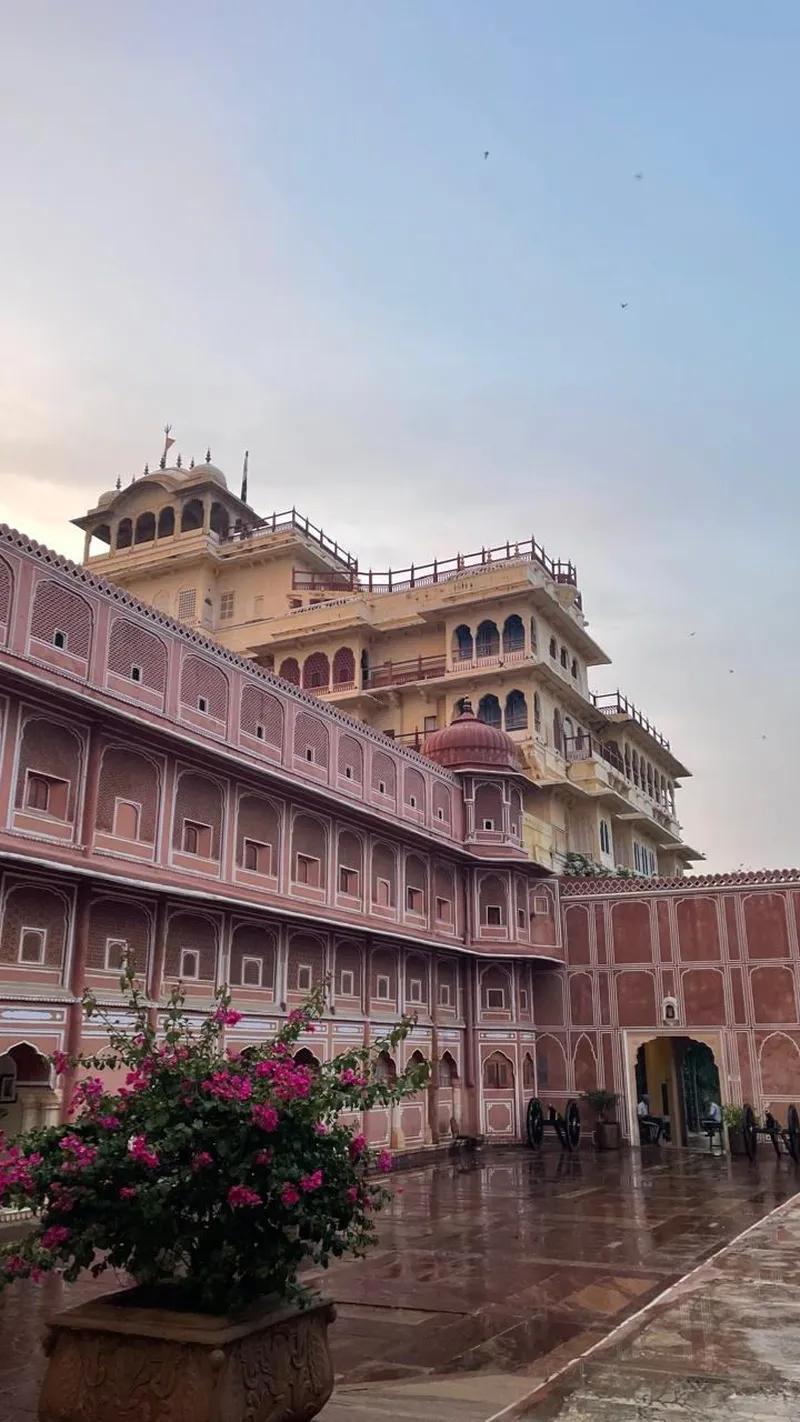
x,y
114,1361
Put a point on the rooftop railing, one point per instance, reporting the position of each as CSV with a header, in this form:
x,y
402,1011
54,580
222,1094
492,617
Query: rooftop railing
x,y
613,703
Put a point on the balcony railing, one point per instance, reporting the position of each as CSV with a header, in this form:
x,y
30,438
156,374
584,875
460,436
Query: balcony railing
x,y
613,703
589,748
415,576
292,521
494,658
396,673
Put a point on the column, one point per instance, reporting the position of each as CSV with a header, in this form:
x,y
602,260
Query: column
x,y
155,975
91,791
77,983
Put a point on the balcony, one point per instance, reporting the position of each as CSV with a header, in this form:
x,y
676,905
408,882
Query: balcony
x,y
616,706
401,673
638,800
488,660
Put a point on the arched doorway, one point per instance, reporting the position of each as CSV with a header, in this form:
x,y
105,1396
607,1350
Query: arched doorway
x,y
681,1076
27,1097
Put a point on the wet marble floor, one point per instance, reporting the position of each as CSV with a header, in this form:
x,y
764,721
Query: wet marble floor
x,y
723,1343
487,1280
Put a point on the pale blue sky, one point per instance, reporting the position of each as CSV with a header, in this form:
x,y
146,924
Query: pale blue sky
x,y
274,226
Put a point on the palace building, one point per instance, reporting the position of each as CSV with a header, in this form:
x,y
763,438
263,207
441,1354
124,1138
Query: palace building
x,y
205,781
401,651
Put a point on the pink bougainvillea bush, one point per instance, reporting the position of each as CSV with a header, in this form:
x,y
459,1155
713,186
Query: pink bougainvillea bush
x,y
209,1178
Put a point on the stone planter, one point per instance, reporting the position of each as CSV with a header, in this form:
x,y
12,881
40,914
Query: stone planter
x,y
736,1144
113,1360
608,1135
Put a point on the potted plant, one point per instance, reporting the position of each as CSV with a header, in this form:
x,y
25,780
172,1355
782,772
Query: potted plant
x,y
733,1117
607,1133
209,1179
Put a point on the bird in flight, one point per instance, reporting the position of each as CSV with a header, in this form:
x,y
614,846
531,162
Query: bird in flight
x,y
638,177
623,304
485,154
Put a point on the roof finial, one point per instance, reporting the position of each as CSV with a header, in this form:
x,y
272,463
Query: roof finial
x,y
244,477
208,455
191,466
167,443
178,462
118,483
146,470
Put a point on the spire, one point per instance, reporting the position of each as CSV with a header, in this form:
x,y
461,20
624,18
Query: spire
x,y
208,455
119,481
178,462
244,477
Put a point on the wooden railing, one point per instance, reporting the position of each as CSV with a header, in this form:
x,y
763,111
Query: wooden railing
x,y
613,703
396,673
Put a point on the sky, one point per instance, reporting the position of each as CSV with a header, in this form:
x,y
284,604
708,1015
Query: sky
x,y
274,226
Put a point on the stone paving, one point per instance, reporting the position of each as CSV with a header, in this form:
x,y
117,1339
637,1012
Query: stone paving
x,y
723,1343
488,1280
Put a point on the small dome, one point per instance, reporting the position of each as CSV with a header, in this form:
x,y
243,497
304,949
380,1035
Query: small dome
x,y
205,471
107,498
468,742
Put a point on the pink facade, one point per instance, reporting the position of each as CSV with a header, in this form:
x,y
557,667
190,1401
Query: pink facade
x,y
163,798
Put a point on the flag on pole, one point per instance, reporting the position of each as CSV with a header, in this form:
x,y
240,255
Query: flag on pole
x,y
244,476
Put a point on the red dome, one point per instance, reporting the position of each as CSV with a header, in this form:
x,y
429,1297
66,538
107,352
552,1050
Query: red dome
x,y
468,742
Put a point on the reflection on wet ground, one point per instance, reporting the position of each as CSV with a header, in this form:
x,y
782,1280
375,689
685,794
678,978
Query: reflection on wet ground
x,y
487,1279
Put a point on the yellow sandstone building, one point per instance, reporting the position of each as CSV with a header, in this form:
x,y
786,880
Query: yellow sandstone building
x,y
503,628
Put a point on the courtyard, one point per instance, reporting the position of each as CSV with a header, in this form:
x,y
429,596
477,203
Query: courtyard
x,y
490,1276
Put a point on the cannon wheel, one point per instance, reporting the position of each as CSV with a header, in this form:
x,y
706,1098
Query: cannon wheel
x,y
572,1122
749,1132
793,1132
534,1123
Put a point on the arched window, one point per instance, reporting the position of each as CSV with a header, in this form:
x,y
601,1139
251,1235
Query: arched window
x,y
558,734
534,635
290,670
487,640
574,668
124,533
448,1071
635,767
462,644
528,1075
513,634
344,667
489,711
564,658
145,528
166,522
220,522
316,671
191,516
498,1073
385,1069
306,1058
569,732
537,711
553,648
516,711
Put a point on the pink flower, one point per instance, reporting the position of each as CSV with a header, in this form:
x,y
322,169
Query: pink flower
x,y
242,1195
289,1194
60,1063
311,1182
321,1129
352,1194
226,1017
128,1192
55,1235
201,1160
140,1151
17,1265
36,1273
78,1155
264,1157
108,1123
384,1161
357,1147
266,1117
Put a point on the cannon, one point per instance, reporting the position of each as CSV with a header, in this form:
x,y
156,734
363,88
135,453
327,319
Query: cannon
x,y
567,1128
